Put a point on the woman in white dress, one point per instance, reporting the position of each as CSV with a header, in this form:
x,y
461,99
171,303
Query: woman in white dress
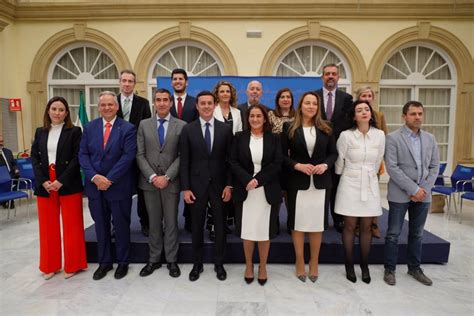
x,y
309,151
256,163
360,151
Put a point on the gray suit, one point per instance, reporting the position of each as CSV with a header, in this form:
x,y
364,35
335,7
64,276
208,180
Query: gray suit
x,y
401,166
162,204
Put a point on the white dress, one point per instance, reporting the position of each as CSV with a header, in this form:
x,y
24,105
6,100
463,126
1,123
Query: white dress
x,y
309,208
358,162
256,210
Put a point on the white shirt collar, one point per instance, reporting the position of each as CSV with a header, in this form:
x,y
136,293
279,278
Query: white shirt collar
x,y
326,91
167,118
111,122
203,122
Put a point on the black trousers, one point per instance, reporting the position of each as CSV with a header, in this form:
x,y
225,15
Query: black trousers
x,y
198,217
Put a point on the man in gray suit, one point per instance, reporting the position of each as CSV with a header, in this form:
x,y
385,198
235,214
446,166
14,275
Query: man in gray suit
x,y
412,162
158,160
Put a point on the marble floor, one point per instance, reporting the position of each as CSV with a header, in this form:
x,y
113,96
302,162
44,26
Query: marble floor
x,y
24,292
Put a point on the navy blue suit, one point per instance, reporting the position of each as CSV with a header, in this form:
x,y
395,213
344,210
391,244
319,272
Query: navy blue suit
x,y
115,163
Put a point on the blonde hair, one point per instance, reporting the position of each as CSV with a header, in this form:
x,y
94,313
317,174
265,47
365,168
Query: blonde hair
x,y
317,119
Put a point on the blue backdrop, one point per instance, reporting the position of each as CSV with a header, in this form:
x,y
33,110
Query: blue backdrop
x,y
297,85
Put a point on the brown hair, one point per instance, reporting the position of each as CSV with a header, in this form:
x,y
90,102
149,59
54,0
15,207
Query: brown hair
x,y
277,109
233,92
266,126
317,120
47,119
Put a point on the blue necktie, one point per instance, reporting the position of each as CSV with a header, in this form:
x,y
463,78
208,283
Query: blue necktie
x,y
161,132
207,137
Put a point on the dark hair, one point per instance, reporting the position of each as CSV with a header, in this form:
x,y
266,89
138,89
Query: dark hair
x,y
330,65
233,92
128,71
162,90
352,112
415,104
266,126
277,110
203,93
317,120
179,71
47,119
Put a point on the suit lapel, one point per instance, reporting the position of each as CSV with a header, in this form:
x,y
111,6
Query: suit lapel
x,y
62,139
43,145
300,134
169,131
407,143
267,146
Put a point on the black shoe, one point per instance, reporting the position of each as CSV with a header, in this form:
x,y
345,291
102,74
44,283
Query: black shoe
x,y
248,280
195,272
101,271
262,281
149,268
121,271
212,235
350,273
220,272
174,269
365,274
145,231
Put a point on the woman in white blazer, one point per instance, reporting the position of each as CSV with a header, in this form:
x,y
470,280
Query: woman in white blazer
x,y
226,110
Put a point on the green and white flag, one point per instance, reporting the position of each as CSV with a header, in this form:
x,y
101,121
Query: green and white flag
x,y
82,119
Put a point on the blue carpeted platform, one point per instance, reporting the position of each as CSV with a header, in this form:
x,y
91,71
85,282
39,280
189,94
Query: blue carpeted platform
x,y
435,249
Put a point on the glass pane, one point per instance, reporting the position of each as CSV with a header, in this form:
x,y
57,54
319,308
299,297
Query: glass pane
x,y
304,53
194,60
72,96
180,56
94,112
205,61
443,152
105,68
78,55
167,61
292,61
436,115
410,57
423,56
397,62
396,96
435,62
60,73
91,57
435,96
441,133
393,115
285,71
160,71
318,55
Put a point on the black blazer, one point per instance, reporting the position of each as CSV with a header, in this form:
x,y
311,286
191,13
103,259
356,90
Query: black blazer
x,y
295,151
242,166
67,161
190,112
140,110
340,119
198,168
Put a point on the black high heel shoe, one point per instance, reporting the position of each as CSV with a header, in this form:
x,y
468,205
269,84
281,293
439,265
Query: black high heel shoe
x,y
365,274
261,281
249,280
350,273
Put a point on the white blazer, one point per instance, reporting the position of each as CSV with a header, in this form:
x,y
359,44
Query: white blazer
x,y
236,118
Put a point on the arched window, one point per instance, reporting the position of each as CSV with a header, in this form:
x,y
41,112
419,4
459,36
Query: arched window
x,y
196,58
425,73
308,59
82,69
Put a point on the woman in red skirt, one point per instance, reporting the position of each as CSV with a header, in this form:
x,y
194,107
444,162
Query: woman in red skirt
x,y
59,191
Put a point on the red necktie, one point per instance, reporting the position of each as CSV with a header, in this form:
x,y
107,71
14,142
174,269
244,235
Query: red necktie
x,y
107,133
180,108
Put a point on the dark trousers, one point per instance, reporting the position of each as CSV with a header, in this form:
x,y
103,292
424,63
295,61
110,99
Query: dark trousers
x,y
141,209
102,212
336,218
198,217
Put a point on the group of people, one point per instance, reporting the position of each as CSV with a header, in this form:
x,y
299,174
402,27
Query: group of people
x,y
324,156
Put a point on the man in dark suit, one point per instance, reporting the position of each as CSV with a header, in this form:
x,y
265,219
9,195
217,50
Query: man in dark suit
x,y
205,175
183,107
254,94
158,160
106,155
7,159
335,106
134,109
